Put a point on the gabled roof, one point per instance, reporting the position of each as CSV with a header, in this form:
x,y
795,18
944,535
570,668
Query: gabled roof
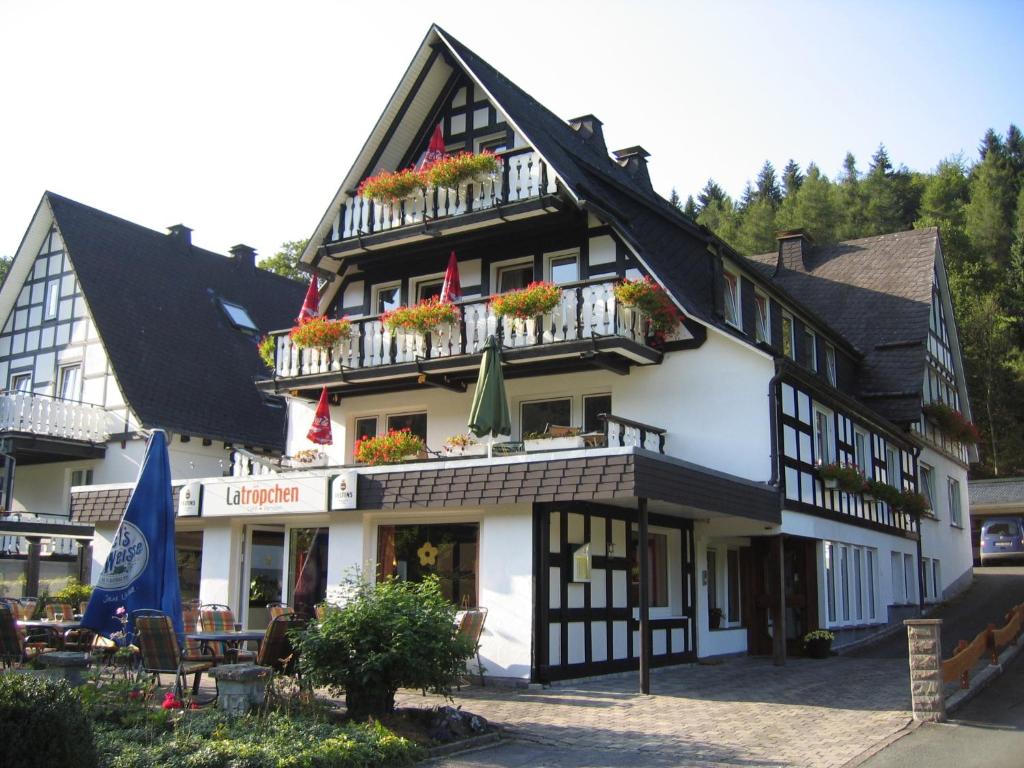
x,y
876,292
1000,490
670,244
179,361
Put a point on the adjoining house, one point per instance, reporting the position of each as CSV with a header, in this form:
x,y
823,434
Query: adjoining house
x,y
684,466
111,329
994,497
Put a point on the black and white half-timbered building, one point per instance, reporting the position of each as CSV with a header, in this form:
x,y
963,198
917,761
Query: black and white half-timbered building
x,y
687,518
111,329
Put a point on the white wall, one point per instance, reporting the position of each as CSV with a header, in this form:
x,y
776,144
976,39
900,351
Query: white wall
x,y
939,539
220,565
713,401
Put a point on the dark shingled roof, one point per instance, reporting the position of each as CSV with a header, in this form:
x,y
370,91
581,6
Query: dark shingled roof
x,y
181,364
1004,490
876,292
668,241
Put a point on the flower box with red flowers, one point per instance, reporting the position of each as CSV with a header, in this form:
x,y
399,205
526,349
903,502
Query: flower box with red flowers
x,y
951,422
649,297
320,332
536,299
452,170
423,317
390,186
395,446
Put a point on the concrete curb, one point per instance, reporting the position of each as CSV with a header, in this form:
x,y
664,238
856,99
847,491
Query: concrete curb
x,y
888,741
468,745
983,678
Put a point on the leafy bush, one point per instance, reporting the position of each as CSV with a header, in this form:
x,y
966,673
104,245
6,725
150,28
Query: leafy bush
x,y
267,348
210,739
74,593
396,634
42,723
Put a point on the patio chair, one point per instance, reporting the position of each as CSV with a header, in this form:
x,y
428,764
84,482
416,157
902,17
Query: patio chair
x,y
27,606
161,654
217,618
322,609
277,609
15,647
276,651
472,626
66,611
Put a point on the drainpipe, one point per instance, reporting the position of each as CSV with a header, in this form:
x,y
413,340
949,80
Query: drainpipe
x,y
773,413
920,568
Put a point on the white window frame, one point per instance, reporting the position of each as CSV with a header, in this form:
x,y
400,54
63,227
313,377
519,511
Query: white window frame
x,y
893,470
499,266
52,299
375,295
762,318
926,479
824,443
955,508
910,578
573,409
381,419
790,335
732,308
417,282
862,451
899,585
850,586
830,363
721,583
937,578
812,338
239,316
21,382
62,373
551,258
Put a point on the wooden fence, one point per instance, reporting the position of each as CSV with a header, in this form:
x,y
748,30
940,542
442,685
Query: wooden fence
x,y
990,640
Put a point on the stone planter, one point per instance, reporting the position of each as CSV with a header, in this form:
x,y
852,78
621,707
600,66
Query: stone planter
x,y
818,649
553,444
240,687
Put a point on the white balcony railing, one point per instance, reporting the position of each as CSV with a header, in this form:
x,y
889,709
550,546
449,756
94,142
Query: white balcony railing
x,y
53,417
586,310
523,176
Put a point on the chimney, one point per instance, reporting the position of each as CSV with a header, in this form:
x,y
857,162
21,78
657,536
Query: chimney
x,y
244,256
181,232
634,160
589,129
794,248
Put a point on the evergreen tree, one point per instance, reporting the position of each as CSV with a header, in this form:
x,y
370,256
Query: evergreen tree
x,y
989,214
812,208
943,202
690,208
757,228
721,217
792,178
1015,152
748,197
710,194
881,209
768,188
991,142
852,222
674,199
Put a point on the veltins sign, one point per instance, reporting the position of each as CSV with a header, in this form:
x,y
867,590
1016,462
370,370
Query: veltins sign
x,y
190,498
343,490
265,496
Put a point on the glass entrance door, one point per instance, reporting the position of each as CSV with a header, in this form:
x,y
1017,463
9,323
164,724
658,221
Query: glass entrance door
x,y
264,580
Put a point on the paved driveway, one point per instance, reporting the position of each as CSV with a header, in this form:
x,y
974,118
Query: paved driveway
x,y
742,712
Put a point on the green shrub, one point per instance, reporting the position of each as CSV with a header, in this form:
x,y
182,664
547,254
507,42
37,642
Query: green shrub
x,y
42,724
74,593
396,634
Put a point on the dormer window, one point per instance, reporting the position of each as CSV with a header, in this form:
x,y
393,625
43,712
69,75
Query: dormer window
x,y
238,316
762,319
731,298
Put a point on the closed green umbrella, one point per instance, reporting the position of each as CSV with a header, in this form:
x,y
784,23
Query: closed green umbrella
x,y
489,413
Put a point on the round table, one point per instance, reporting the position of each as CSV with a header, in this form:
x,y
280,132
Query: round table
x,y
229,637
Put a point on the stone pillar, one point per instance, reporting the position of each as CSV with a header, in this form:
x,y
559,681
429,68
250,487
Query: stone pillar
x,y
35,548
240,687
924,637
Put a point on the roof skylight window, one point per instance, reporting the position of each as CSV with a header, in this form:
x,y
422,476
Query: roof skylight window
x,y
238,315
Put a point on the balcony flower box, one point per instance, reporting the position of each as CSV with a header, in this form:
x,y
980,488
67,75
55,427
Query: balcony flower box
x,y
389,187
395,446
844,477
463,445
951,422
648,298
308,459
320,332
452,171
534,442
424,317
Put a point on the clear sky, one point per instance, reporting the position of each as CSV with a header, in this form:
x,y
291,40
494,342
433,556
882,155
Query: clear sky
x,y
239,119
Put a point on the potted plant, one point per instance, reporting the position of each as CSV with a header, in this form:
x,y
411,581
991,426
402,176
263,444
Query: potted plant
x,y
562,439
913,503
845,477
397,445
463,445
387,187
452,170
658,313
877,490
951,422
818,643
715,618
311,457
320,333
267,347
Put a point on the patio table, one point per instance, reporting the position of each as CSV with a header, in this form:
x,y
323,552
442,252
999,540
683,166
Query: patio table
x,y
57,628
231,638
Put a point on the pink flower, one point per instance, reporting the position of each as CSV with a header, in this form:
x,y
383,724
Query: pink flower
x,y
120,611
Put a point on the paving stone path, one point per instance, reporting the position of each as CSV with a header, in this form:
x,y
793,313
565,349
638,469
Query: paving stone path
x,y
742,712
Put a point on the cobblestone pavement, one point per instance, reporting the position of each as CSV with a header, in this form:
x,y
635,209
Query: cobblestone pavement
x,y
742,712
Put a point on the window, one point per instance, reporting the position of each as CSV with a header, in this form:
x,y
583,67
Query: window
x,y
788,338
498,143
861,452
657,568
830,580
892,467
811,342
81,477
238,316
844,575
936,580
824,449
52,299
762,319
563,267
594,406
69,382
899,585
850,583
428,289
414,422
871,557
537,415
830,364
366,427
731,297
448,551
858,584
954,503
910,579
386,298
307,568
21,382
513,276
928,485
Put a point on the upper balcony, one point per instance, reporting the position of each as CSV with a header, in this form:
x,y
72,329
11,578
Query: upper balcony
x,y
525,187
587,329
38,428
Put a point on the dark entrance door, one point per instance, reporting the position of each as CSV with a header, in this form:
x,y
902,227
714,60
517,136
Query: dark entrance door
x,y
760,594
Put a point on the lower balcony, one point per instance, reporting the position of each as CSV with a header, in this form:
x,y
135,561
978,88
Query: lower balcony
x,y
587,329
36,429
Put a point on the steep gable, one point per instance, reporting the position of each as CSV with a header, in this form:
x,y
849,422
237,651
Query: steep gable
x,y
155,300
